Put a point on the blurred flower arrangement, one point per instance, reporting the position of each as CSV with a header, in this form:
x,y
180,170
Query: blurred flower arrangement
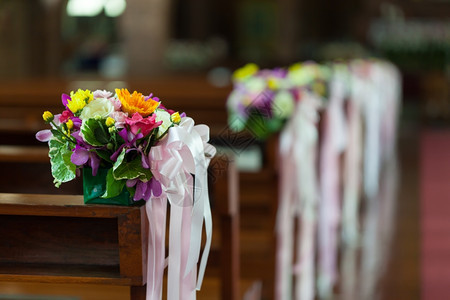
x,y
262,100
111,133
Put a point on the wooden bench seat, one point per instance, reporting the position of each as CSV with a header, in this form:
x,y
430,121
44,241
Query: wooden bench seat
x,y
58,239
85,229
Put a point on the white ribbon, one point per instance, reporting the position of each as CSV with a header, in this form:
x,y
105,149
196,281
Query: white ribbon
x,y
298,198
351,193
333,144
179,162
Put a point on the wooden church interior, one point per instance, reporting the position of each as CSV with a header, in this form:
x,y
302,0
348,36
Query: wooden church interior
x,y
185,52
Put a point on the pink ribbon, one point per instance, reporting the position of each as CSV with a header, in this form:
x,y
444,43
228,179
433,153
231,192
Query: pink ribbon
x,y
184,152
350,205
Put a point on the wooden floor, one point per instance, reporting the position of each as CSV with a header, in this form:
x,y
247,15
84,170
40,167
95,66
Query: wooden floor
x,y
401,279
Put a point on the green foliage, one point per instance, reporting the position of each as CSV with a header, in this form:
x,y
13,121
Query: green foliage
x,y
133,169
113,187
104,154
63,170
95,132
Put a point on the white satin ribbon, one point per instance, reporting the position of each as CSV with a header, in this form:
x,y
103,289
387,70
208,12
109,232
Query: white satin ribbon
x,y
351,193
298,198
333,143
184,152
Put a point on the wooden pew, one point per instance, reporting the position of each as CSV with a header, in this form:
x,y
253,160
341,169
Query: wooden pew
x,y
22,104
223,178
225,197
58,239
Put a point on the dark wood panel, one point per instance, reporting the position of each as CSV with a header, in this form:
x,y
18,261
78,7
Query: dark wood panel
x,y
58,240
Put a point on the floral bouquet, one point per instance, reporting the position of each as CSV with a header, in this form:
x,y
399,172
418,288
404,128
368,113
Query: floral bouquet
x,y
263,100
130,147
109,137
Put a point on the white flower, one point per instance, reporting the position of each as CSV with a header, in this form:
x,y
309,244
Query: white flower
x,y
100,107
283,104
164,116
255,85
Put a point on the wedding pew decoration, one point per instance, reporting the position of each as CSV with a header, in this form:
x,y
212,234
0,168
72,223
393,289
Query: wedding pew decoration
x,y
130,148
263,100
336,124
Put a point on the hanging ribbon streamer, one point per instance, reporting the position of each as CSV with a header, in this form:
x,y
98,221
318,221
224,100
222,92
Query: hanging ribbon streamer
x,y
298,198
380,206
333,144
351,191
360,122
179,162
391,96
373,110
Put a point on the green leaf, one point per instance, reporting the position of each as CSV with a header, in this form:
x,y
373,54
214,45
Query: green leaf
x,y
104,154
131,190
56,134
113,187
94,132
63,170
131,170
123,169
101,135
120,158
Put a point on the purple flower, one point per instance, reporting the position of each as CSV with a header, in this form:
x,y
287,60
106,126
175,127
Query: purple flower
x,y
76,122
144,190
129,139
81,156
44,135
65,99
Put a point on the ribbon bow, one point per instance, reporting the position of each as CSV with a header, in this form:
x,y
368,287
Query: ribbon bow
x,y
179,162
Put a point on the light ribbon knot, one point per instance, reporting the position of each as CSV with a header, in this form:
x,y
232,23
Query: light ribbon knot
x,y
180,162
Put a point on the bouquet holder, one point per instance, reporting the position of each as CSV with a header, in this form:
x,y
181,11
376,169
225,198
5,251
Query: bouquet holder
x,y
95,186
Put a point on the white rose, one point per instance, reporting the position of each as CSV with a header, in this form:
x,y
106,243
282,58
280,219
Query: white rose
x,y
164,116
101,107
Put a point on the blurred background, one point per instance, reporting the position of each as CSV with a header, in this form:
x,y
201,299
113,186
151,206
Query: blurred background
x,y
117,39
185,51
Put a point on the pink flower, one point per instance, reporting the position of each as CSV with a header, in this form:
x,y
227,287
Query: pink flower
x,y
116,103
120,118
102,94
146,125
65,116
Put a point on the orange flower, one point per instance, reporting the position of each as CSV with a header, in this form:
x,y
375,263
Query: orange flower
x,y
136,103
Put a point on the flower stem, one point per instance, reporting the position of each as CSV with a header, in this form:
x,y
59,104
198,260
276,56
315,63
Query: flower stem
x,y
63,133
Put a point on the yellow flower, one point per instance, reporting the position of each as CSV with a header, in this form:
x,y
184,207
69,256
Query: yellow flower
x,y
245,72
110,122
69,124
79,99
273,83
47,116
136,103
175,117
295,67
